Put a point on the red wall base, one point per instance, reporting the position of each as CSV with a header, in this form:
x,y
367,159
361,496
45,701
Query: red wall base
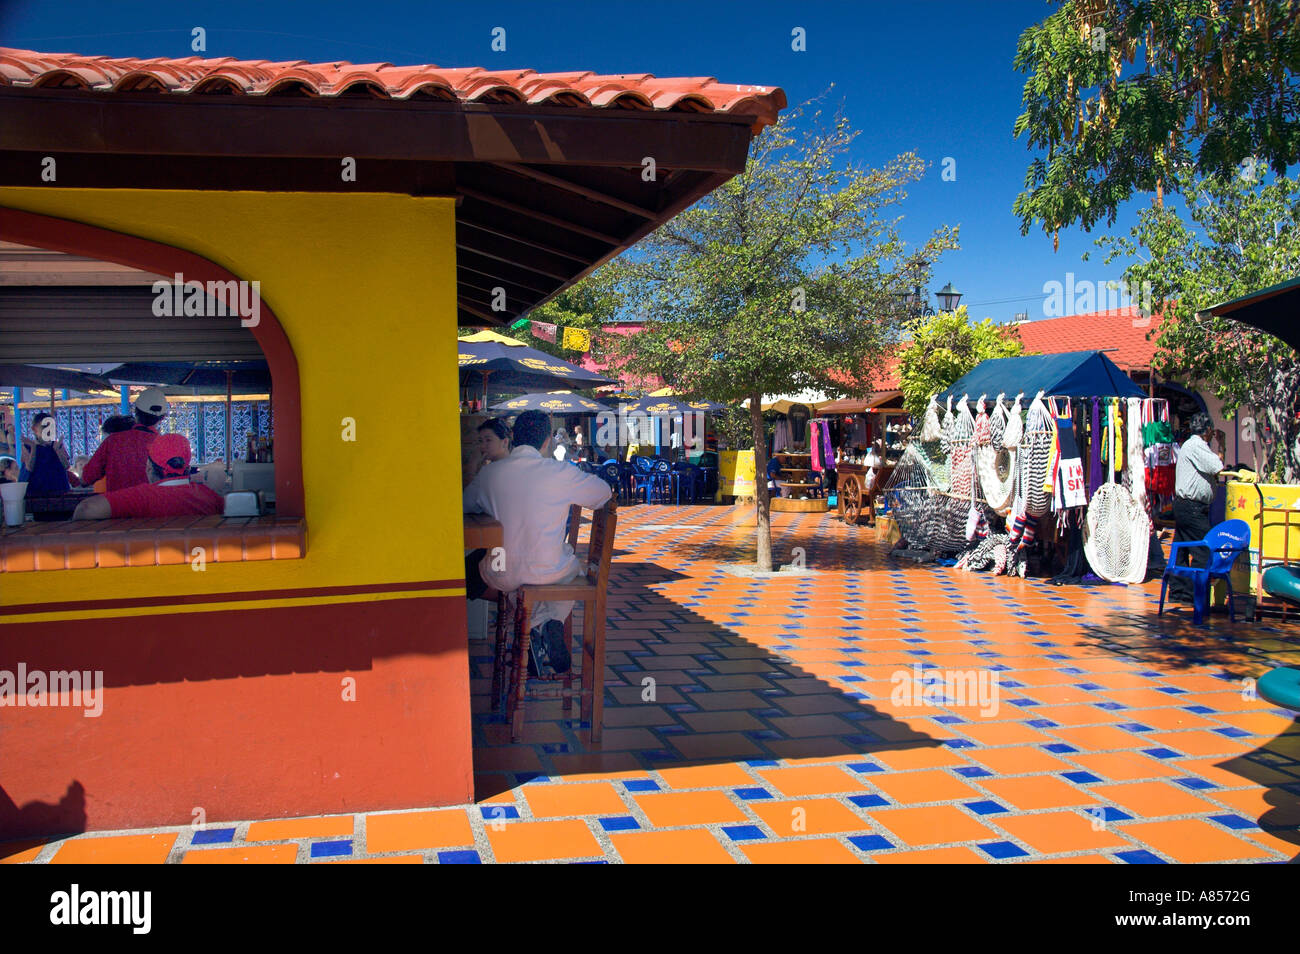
x,y
243,715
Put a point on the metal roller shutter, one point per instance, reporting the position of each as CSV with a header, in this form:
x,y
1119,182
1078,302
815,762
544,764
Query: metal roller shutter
x,y
101,324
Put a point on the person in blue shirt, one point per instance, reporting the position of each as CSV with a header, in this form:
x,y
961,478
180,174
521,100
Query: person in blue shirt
x,y
44,461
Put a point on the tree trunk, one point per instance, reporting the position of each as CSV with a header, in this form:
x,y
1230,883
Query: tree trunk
x,y
764,529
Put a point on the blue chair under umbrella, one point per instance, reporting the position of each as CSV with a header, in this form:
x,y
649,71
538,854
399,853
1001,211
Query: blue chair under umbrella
x,y
667,481
613,475
1226,543
644,480
690,480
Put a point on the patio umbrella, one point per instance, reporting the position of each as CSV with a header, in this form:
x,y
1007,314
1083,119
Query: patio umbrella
x,y
674,406
518,366
210,376
552,402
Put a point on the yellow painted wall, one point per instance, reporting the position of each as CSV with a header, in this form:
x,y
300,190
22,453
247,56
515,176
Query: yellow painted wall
x,y
365,288
1242,503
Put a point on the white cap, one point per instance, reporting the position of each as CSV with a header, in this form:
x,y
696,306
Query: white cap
x,y
152,401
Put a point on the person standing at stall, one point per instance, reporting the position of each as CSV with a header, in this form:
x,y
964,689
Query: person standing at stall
x,y
1194,482
121,458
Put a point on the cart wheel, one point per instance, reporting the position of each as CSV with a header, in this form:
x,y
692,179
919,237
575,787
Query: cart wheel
x,y
852,497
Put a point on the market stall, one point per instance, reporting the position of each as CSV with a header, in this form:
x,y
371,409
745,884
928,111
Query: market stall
x,y
988,482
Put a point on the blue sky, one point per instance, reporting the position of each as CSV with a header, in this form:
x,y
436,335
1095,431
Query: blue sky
x,y
929,76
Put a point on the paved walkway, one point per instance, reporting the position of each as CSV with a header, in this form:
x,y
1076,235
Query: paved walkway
x,y
777,727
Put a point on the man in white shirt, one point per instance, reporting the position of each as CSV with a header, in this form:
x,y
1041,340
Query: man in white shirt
x,y
1194,482
530,494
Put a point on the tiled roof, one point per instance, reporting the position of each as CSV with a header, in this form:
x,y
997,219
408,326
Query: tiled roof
x,y
1096,331
231,77
1101,330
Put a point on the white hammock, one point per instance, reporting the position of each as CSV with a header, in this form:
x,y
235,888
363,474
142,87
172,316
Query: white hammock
x,y
1115,535
995,465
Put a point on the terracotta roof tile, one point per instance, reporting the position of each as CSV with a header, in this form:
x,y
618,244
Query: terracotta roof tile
x,y
225,75
1121,329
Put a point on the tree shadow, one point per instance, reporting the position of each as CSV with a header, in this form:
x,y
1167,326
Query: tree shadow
x,y
37,820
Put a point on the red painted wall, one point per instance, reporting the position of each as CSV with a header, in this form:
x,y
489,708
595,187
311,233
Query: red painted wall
x,y
241,713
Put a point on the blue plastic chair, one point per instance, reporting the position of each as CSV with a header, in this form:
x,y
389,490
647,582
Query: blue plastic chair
x,y
1226,543
691,480
667,482
645,481
613,475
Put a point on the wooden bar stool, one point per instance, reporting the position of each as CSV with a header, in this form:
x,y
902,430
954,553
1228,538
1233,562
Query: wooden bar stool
x,y
591,592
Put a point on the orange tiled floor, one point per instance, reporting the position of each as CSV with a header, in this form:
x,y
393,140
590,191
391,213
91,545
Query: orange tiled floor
x,y
758,721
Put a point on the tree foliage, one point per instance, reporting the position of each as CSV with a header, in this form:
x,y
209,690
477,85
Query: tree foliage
x,y
1121,91
1242,237
945,347
588,304
785,278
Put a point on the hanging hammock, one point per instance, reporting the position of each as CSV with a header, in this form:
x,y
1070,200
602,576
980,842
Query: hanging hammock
x,y
929,517
1036,451
995,465
1014,431
1115,535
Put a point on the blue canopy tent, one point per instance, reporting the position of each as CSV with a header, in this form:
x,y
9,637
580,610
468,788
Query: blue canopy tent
x,y
1076,374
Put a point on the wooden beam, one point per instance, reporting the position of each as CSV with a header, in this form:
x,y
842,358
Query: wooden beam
x,y
576,189
61,121
539,216
548,249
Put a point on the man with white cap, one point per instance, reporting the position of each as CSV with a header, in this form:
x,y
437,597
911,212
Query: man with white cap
x,y
121,457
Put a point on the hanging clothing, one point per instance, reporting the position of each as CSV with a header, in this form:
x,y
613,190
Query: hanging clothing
x,y
781,440
827,447
1069,489
1161,452
815,449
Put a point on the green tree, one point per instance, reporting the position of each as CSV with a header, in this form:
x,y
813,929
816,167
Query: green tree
x,y
1242,237
945,347
785,278
1215,74
587,304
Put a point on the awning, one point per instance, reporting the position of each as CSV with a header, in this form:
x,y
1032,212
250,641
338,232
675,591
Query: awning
x,y
1074,374
861,405
1272,310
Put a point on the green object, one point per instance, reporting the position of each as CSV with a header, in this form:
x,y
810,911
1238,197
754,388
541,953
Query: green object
x,y
1281,687
521,323
1157,432
1282,582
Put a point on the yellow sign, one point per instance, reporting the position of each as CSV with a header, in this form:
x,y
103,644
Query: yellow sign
x,y
736,474
577,339
1242,503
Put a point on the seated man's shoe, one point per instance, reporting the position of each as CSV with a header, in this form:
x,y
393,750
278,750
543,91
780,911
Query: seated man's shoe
x,y
557,652
538,664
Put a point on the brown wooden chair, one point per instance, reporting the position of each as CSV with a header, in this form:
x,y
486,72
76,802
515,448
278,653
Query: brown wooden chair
x,y
504,602
591,591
